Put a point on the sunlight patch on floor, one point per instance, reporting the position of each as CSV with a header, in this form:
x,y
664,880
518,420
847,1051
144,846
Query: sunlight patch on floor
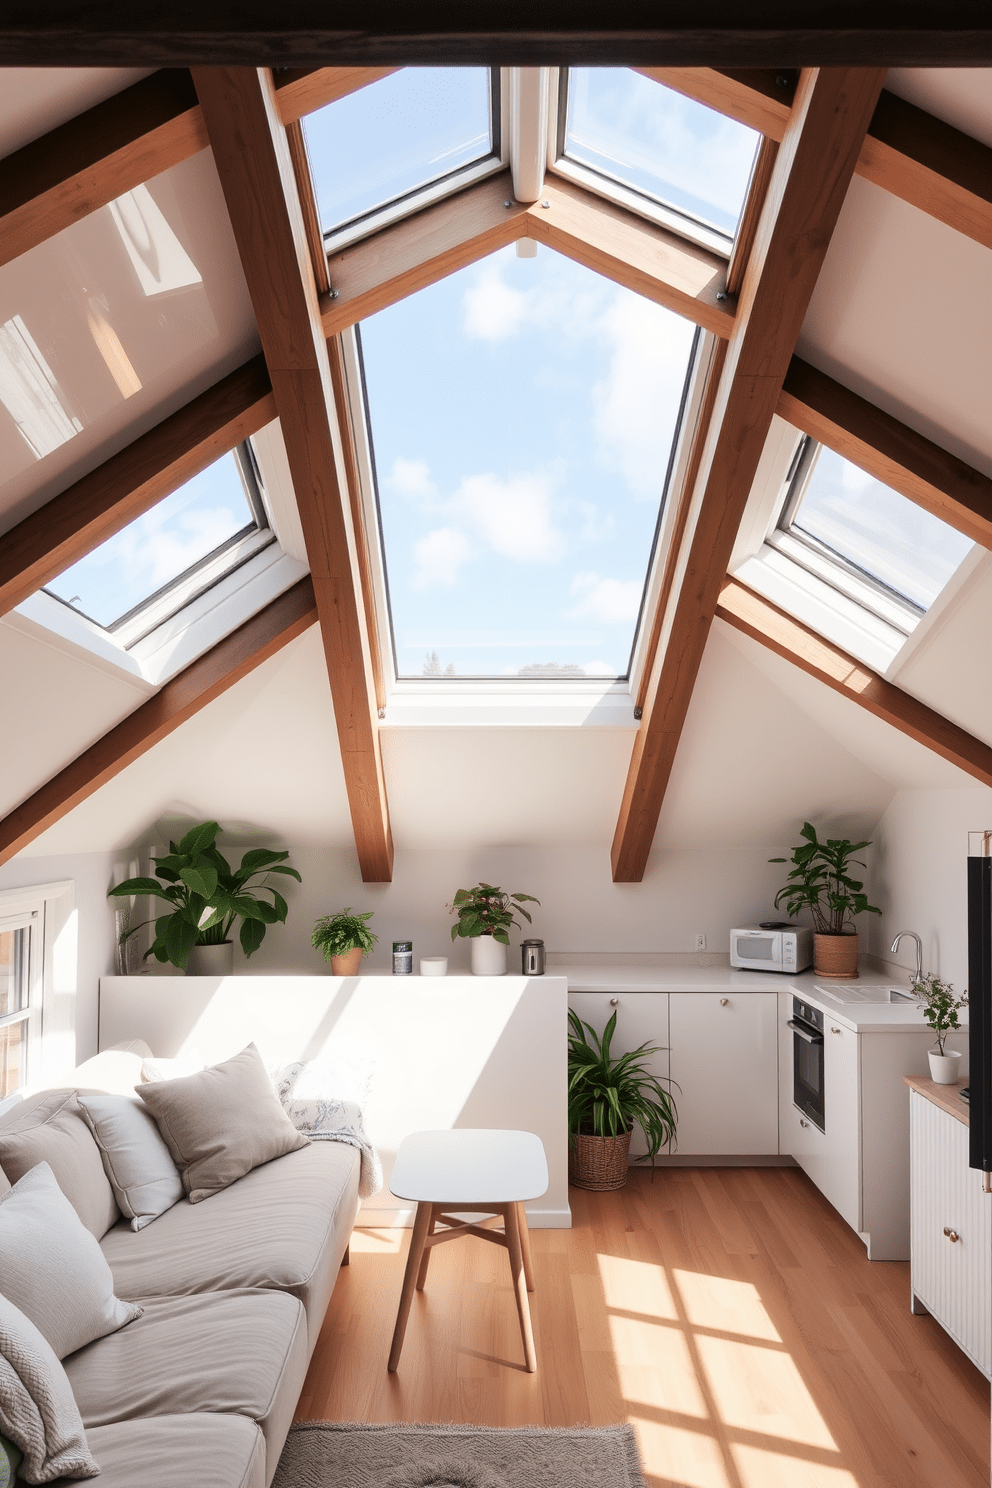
x,y
377,1242
760,1469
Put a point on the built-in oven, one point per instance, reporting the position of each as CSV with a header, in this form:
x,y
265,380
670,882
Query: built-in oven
x,y
807,1060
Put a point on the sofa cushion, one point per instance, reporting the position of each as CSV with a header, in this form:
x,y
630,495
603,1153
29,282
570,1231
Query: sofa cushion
x,y
52,1268
221,1123
50,1128
113,1071
139,1165
37,1410
203,1450
283,1226
236,1353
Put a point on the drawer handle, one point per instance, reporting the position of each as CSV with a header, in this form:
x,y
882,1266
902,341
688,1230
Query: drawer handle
x,y
724,1001
806,1125
952,1235
614,1002
836,1030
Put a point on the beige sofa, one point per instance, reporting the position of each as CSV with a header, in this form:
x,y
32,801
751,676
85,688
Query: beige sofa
x,y
201,1389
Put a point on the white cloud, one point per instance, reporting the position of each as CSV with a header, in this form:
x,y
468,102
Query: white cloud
x,y
513,517
494,311
412,478
613,601
438,557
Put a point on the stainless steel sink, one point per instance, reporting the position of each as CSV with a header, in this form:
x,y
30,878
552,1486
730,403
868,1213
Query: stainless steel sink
x,y
843,995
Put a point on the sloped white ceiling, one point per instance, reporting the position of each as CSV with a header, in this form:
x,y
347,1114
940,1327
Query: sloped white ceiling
x,y
961,96
34,100
952,669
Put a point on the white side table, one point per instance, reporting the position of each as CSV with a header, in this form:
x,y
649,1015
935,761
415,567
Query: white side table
x,y
474,1172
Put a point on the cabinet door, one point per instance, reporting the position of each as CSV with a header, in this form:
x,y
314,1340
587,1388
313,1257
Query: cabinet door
x,y
642,1017
842,1103
725,1063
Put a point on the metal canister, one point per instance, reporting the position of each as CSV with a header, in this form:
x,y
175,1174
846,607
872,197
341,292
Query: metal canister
x,y
402,958
532,957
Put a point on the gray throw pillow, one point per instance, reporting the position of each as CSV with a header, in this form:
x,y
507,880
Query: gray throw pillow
x,y
51,1129
144,1178
221,1123
53,1269
37,1410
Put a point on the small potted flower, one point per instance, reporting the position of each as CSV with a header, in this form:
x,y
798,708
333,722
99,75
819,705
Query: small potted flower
x,y
485,915
344,939
940,1010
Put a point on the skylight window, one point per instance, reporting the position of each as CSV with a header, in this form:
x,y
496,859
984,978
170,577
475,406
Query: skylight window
x,y
180,547
390,140
838,511
629,129
523,413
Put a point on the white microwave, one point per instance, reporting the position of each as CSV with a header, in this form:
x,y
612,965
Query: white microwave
x,y
775,946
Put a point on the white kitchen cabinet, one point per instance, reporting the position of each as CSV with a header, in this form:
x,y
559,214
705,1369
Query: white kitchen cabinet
x,y
951,1231
642,1017
832,1158
724,1057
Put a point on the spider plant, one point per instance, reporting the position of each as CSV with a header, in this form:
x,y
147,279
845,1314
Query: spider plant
x,y
608,1093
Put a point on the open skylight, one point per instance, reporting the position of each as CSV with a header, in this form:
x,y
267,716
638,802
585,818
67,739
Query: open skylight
x,y
626,128
523,413
390,140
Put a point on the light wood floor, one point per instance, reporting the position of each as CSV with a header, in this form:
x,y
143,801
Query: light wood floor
x,y
730,1314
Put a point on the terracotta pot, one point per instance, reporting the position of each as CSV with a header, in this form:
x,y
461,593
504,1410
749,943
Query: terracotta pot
x,y
211,960
836,956
488,956
349,964
598,1163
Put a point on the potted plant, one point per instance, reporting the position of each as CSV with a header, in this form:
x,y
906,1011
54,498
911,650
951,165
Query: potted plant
x,y
207,896
820,882
607,1094
485,915
940,1010
344,939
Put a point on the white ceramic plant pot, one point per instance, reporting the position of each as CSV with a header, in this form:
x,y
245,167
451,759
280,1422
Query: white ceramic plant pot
x,y
433,966
211,960
944,1068
488,956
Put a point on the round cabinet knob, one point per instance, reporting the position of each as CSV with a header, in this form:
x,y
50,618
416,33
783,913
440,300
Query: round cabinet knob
x,y
952,1235
806,1125
836,1030
724,1001
614,1002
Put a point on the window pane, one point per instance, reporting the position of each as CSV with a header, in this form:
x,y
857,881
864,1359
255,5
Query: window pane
x,y
14,969
523,412
153,551
13,1062
879,531
671,148
394,136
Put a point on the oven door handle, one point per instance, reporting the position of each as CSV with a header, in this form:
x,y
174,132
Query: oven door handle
x,y
805,1033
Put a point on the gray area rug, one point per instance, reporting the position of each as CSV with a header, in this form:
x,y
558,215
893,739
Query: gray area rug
x,y
321,1454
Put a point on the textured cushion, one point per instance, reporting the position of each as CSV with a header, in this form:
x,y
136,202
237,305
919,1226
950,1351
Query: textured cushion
x,y
52,1268
201,1451
37,1409
238,1353
153,1068
50,1129
284,1226
139,1165
113,1071
221,1123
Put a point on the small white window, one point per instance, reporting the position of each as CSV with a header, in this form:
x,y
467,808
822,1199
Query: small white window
x,y
20,997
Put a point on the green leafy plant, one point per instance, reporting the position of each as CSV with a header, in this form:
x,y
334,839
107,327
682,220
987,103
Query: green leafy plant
x,y
608,1094
338,934
486,910
820,882
940,1006
207,896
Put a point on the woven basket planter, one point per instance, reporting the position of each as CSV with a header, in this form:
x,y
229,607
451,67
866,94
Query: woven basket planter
x,y
836,956
598,1163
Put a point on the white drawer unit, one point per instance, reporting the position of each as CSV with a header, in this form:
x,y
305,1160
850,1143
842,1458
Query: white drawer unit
x,y
725,1059
951,1231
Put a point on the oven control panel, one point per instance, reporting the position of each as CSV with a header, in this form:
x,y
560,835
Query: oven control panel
x,y
808,1014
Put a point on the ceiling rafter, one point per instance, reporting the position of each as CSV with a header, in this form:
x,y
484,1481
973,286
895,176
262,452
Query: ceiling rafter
x,y
889,450
253,159
757,617
183,696
101,503
809,182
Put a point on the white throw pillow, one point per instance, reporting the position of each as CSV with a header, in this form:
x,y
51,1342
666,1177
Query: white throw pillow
x,y
172,1069
53,1269
37,1410
144,1178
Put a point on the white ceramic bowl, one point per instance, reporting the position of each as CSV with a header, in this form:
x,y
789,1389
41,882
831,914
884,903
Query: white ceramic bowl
x,y
433,966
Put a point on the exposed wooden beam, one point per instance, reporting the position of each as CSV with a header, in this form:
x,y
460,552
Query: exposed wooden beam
x,y
192,689
889,450
764,622
443,238
750,97
812,172
69,526
253,160
304,90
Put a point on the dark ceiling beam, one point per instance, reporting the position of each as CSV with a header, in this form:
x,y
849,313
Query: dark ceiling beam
x,y
254,161
101,503
182,697
809,182
889,450
764,622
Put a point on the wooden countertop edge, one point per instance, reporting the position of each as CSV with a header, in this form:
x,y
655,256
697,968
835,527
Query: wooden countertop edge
x,y
944,1096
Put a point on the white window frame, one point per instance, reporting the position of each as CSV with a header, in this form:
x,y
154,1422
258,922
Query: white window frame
x,y
50,911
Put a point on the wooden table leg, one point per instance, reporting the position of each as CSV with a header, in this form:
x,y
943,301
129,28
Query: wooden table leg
x,y
428,1251
525,1245
512,1227
425,1213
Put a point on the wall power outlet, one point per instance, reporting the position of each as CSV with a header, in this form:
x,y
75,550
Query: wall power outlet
x,y
700,942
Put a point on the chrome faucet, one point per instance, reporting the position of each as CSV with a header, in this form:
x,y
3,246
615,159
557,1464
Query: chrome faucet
x,y
919,953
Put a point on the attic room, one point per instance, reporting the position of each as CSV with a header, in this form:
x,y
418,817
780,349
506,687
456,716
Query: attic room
x,y
465,470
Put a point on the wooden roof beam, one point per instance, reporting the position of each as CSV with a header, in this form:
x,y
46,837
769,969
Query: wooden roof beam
x,y
253,159
181,697
757,617
75,522
809,182
889,450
